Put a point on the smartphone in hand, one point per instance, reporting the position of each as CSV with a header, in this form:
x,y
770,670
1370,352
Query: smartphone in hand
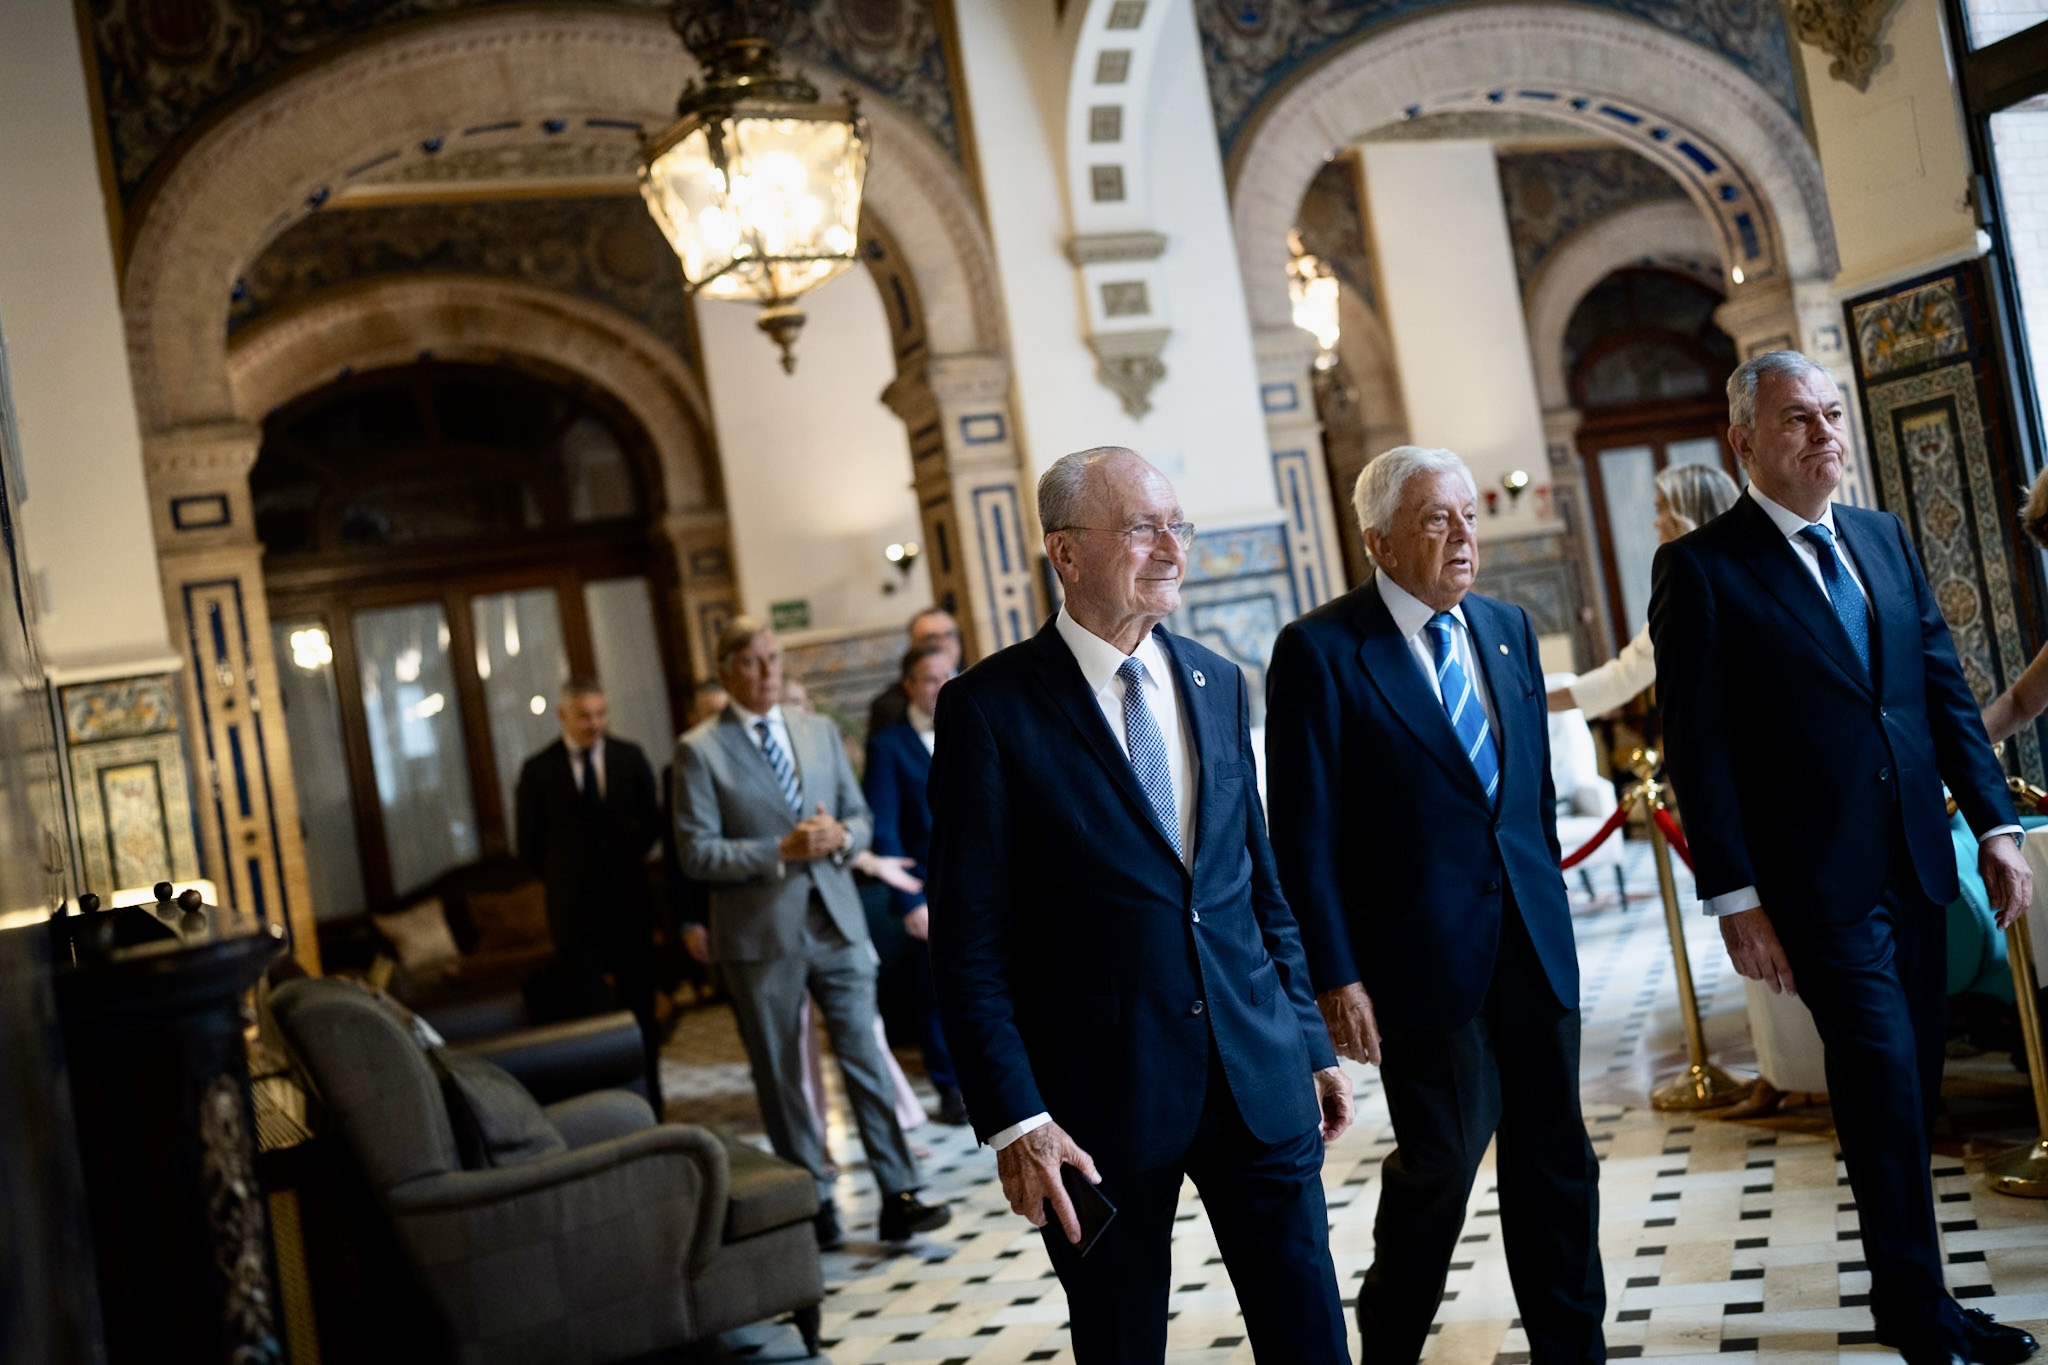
x,y
1091,1208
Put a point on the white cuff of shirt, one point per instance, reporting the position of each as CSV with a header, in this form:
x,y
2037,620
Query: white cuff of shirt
x,y
1732,902
1735,902
1017,1130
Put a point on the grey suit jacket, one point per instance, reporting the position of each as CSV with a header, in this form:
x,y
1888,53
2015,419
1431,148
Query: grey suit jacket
x,y
730,816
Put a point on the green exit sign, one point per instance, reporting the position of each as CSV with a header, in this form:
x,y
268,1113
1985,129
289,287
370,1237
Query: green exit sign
x,y
790,615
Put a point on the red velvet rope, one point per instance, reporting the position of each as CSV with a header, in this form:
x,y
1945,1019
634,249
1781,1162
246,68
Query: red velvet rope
x,y
1613,824
1675,836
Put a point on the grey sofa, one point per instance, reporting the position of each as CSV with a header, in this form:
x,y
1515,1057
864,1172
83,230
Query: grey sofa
x,y
637,1238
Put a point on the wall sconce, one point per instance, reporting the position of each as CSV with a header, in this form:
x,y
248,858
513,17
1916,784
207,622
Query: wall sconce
x,y
1515,480
903,554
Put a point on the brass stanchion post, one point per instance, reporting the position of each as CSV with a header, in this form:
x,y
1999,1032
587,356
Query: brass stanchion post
x,y
1702,1085
2024,1171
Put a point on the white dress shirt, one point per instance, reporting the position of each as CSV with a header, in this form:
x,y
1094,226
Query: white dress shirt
x,y
1790,524
1099,661
1412,616
925,725
578,757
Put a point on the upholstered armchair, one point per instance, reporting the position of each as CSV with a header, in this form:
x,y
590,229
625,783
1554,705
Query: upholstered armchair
x,y
602,1237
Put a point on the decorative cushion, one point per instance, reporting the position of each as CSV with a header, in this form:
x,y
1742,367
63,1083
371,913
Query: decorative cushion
x,y
496,1122
510,920
419,934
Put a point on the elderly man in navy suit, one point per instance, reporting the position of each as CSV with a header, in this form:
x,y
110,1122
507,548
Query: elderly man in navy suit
x,y
1408,757
1121,981
1813,708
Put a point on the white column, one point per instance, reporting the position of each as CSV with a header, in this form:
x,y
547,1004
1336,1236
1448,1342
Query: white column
x,y
1454,309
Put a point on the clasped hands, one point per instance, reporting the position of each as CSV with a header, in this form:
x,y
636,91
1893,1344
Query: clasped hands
x,y
819,836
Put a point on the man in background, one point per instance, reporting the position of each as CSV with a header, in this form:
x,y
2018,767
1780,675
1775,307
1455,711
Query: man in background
x,y
587,815
933,626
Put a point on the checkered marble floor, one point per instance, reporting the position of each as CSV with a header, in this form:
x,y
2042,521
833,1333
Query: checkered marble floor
x,y
1725,1241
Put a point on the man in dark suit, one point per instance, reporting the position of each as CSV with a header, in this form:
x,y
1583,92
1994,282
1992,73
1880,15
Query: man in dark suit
x,y
934,626
1121,981
1408,757
768,814
587,816
1813,708
895,779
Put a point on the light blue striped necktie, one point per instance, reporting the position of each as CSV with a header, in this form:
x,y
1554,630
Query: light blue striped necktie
x,y
785,771
1461,704
1148,750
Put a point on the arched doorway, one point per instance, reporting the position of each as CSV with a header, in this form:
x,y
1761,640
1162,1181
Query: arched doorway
x,y
1647,366
445,543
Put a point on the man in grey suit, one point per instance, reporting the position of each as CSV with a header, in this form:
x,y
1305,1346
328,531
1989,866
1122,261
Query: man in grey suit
x,y
768,813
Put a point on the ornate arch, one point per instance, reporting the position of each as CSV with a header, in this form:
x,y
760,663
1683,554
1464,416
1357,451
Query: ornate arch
x,y
1668,233
1731,143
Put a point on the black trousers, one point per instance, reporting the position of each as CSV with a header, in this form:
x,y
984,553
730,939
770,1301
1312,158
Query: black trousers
x,y
1511,1072
1878,990
1265,1203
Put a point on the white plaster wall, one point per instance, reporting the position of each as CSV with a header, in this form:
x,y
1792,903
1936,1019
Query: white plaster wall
x,y
1205,429
1454,309
817,470
86,520
1894,157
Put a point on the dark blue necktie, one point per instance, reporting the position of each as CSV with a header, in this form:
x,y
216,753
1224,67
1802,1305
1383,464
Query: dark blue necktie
x,y
1461,704
592,794
1843,595
1148,751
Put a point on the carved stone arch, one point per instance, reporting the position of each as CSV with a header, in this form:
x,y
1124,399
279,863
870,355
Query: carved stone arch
x,y
1521,53
295,144
1667,233
391,321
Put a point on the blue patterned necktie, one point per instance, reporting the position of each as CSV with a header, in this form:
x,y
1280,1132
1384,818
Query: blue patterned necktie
x,y
1461,704
1843,595
785,771
1148,751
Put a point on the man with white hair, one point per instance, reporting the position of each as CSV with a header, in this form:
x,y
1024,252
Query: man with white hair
x,y
1414,820
1121,982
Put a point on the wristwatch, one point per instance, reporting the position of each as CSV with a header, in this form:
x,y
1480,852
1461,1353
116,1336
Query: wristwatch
x,y
2019,839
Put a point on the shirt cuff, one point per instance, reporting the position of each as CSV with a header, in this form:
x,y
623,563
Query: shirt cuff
x,y
1017,1130
2001,832
1732,902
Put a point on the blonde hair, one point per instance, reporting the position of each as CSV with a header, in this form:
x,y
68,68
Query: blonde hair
x,y
1694,494
2034,515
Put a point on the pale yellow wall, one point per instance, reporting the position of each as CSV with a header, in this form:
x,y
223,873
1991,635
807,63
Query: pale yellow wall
x,y
1894,156
87,515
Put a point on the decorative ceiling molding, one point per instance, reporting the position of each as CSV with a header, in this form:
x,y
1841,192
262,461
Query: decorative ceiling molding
x,y
1095,248
1847,31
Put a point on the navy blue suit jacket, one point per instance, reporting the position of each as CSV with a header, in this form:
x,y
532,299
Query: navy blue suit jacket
x,y
1082,968
1393,859
1797,769
897,770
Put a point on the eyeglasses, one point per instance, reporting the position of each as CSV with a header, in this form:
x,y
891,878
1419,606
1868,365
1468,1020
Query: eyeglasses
x,y
1182,531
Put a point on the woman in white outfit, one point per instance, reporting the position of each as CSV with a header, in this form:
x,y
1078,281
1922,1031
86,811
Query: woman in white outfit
x,y
1688,496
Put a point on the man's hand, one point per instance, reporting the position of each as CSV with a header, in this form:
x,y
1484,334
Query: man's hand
x,y
697,942
1333,1097
817,837
1347,1013
890,872
2008,881
918,923
1030,1168
1754,949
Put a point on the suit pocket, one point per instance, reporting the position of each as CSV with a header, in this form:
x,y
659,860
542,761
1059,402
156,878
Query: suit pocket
x,y
1265,982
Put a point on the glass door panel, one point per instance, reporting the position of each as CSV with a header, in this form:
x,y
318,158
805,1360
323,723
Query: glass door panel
x,y
416,748
1628,478
628,653
2019,142
312,726
1694,450
522,663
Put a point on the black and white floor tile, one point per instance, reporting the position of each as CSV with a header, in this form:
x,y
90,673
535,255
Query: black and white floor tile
x,y
1724,1241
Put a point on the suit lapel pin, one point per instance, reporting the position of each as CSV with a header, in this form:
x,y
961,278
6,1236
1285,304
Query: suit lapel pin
x,y
1503,649
1200,681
